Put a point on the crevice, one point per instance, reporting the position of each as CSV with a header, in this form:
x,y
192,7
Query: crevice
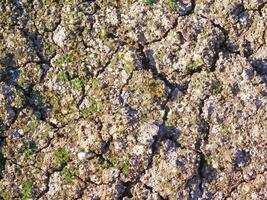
x,y
171,86
201,166
203,139
122,88
99,72
36,44
128,187
165,35
33,100
155,73
151,191
222,47
47,187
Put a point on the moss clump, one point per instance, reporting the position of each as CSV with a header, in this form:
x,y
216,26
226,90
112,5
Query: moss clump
x,y
63,77
191,67
144,117
159,56
93,108
68,174
114,162
29,152
126,165
78,83
172,5
66,59
94,81
126,131
26,190
80,15
128,66
102,34
208,160
62,157
148,2
217,87
5,195
105,164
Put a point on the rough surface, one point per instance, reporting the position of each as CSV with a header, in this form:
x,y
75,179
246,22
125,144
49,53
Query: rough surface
x,y
133,99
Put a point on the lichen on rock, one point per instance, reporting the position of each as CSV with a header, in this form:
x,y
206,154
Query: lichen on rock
x,y
133,99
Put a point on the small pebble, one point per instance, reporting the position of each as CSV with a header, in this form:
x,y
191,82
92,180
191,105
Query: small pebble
x,y
83,155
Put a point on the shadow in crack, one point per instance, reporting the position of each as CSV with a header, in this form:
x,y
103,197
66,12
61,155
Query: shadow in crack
x,y
247,48
34,98
37,102
30,97
9,72
170,132
208,172
260,65
150,61
142,38
199,182
150,56
241,158
9,75
35,41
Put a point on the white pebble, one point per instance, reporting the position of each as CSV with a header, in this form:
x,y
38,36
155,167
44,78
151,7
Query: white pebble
x,y
83,155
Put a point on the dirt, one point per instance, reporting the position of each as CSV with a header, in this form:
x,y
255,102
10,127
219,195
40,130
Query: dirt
x,y
133,99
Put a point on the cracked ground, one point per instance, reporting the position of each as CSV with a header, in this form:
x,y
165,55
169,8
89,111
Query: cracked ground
x,y
133,99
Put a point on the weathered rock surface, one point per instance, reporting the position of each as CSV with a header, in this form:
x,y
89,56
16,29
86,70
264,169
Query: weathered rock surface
x,y
133,99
